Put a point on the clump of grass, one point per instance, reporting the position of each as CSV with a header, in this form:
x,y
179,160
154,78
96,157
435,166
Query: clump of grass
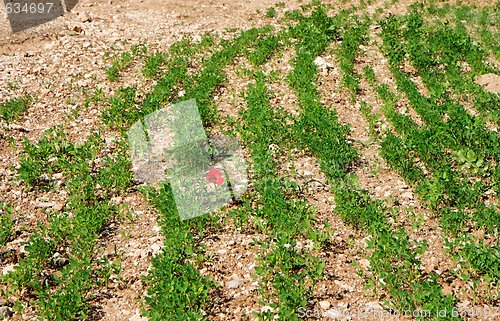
x,y
271,13
123,61
13,108
6,223
65,245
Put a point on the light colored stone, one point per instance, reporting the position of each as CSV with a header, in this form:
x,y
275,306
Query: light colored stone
x,y
58,175
333,314
137,317
307,173
58,206
447,290
116,200
324,304
266,308
408,195
322,63
45,204
364,263
235,282
85,16
343,285
155,249
373,306
490,82
8,268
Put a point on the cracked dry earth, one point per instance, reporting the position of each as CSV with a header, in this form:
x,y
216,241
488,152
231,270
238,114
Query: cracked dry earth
x,y
57,61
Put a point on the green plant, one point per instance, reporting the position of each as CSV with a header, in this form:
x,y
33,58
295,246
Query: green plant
x,y
271,12
123,61
468,160
6,223
13,108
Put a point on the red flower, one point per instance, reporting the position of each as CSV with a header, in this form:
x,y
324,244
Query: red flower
x,y
215,176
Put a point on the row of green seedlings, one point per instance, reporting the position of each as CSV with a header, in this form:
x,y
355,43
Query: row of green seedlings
x,y
454,49
482,21
394,150
462,82
394,260
123,61
124,111
293,287
458,150
12,109
177,290
286,274
7,224
32,275
351,31
59,268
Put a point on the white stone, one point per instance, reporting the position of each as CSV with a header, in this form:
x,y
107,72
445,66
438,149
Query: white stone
x,y
372,306
333,314
322,63
324,304
45,204
235,283
364,263
343,285
8,268
266,308
408,195
137,317
85,16
155,249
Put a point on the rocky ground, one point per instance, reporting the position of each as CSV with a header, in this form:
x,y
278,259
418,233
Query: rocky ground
x,y
60,60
